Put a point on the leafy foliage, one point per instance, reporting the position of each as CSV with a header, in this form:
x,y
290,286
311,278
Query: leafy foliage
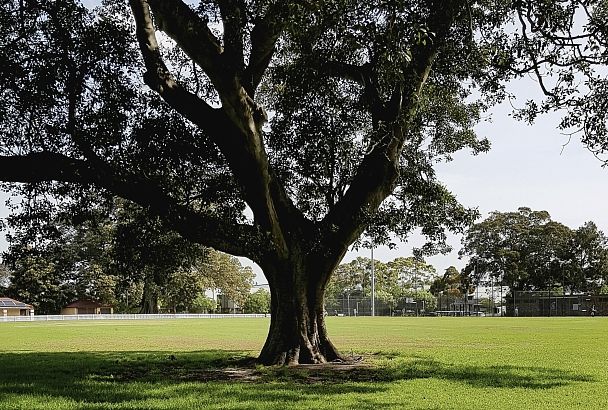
x,y
564,46
257,302
401,277
120,257
529,251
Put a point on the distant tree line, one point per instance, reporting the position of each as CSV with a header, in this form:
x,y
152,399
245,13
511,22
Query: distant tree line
x,y
403,277
114,253
526,250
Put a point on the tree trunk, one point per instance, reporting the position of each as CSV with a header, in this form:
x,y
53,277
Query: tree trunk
x,y
297,333
149,299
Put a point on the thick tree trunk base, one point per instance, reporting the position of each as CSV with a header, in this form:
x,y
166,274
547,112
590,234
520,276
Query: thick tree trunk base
x,y
297,333
299,339
295,355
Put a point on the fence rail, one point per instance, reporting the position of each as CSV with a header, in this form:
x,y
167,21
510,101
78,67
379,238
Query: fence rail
x,y
44,318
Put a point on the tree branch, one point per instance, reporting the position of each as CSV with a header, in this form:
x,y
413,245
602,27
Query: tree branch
x,y
264,37
191,33
160,79
355,73
535,64
235,128
378,172
233,238
234,20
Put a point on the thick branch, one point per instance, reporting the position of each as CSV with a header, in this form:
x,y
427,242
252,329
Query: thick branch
x,y
236,239
193,36
234,19
234,128
264,37
355,73
378,172
160,79
362,75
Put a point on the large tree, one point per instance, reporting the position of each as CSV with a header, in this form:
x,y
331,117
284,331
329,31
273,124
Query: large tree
x,y
275,130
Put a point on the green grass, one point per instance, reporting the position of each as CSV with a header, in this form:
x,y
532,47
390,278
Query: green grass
x,y
414,363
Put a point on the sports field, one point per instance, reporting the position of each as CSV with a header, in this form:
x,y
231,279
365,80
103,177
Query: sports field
x,y
409,363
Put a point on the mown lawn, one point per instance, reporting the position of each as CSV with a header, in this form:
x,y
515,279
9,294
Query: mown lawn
x,y
410,363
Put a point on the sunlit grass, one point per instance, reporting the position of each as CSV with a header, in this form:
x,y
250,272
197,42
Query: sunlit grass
x,y
411,363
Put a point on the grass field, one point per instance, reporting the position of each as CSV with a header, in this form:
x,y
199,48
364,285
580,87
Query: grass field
x,y
411,363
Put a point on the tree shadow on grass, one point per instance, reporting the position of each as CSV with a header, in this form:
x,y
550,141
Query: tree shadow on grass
x,y
210,379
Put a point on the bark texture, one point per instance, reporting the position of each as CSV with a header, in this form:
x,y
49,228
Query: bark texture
x,y
297,331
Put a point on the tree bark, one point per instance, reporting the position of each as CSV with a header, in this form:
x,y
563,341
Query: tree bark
x,y
149,299
297,333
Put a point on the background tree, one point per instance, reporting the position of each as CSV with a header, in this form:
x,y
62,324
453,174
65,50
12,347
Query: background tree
x,y
353,277
204,304
257,302
412,272
526,250
585,263
225,273
424,299
395,280
5,277
55,262
365,96
116,255
144,250
448,287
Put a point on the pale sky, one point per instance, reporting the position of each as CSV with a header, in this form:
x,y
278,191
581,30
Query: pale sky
x,y
528,165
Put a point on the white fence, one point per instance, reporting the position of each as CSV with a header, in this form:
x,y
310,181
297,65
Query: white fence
x,y
44,318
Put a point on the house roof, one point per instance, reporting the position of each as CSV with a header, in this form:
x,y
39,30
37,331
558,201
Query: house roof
x,y
12,303
84,303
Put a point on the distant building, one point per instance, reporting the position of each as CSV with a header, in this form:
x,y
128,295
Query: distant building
x,y
87,307
227,305
12,307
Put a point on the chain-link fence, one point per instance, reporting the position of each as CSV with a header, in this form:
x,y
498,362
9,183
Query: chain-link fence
x,y
362,306
550,303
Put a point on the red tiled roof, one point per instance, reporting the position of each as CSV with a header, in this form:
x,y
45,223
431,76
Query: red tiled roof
x,y
82,303
12,303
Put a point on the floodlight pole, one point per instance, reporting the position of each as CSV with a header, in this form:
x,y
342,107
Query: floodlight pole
x,y
502,278
373,285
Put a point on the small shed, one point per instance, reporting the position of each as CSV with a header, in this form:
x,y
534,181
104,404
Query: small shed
x,y
12,307
87,307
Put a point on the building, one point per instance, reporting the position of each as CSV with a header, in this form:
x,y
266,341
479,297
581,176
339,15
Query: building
x,y
12,307
87,307
227,305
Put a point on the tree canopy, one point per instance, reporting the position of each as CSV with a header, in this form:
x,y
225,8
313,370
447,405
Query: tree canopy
x,y
401,277
114,254
280,131
527,250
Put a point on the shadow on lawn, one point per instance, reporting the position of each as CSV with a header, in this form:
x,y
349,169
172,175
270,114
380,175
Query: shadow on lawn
x,y
141,380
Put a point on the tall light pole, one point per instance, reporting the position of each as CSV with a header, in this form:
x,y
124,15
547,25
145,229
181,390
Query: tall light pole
x,y
348,302
373,284
416,290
